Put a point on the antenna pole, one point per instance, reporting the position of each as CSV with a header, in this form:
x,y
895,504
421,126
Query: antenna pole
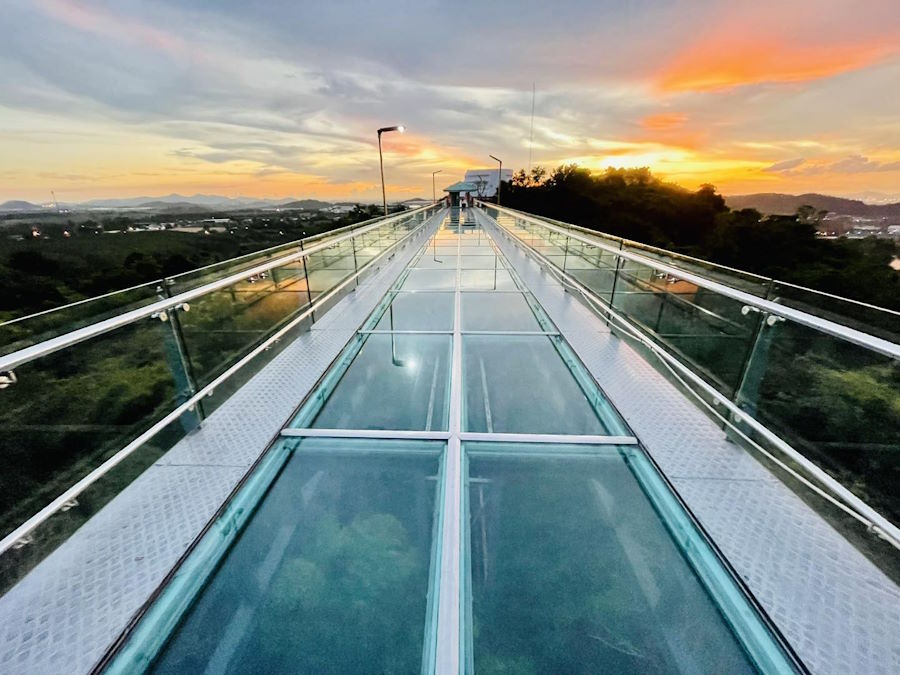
x,y
531,135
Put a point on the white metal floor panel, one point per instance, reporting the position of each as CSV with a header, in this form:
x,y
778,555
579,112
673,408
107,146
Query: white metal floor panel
x,y
64,614
838,610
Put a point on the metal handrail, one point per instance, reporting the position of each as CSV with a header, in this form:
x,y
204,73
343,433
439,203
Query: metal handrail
x,y
833,491
876,344
20,533
13,360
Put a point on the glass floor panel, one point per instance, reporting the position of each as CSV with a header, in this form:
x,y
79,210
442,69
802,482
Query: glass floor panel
x,y
480,262
519,384
430,280
431,261
572,571
497,311
331,574
418,311
395,382
498,280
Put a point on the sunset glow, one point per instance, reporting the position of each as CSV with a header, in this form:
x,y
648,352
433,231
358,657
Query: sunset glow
x,y
101,99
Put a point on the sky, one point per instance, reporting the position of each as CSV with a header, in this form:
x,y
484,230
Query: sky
x,y
120,98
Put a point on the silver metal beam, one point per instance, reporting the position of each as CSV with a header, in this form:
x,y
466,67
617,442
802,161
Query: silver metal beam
x,y
561,439
447,652
391,434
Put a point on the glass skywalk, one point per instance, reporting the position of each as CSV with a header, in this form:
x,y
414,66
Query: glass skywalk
x,y
456,495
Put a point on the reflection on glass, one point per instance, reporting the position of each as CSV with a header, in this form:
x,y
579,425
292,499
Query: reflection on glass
x,y
519,384
430,280
395,382
418,311
496,279
497,311
330,575
572,571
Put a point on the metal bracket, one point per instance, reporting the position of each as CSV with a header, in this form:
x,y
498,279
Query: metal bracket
x,y
7,379
71,504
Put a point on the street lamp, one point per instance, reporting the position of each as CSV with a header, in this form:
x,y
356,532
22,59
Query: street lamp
x,y
499,177
382,130
433,193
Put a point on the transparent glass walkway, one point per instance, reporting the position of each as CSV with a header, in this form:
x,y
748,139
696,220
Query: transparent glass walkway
x,y
456,494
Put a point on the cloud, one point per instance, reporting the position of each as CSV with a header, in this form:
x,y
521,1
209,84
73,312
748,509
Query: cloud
x,y
188,89
747,43
786,165
663,121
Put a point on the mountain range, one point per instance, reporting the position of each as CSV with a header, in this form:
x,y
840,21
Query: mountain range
x,y
773,203
765,202
171,202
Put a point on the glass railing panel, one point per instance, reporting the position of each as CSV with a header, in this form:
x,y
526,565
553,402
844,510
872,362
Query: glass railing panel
x,y
205,275
42,540
71,410
711,332
327,268
592,266
223,325
878,321
838,403
20,332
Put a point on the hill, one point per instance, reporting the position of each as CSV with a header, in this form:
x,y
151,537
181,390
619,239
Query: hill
x,y
306,204
173,206
19,205
773,203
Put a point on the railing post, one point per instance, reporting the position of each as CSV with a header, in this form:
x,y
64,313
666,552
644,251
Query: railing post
x,y
306,276
355,265
179,361
750,349
746,394
612,292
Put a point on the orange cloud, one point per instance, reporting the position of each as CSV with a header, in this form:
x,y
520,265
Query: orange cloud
x,y
663,121
723,62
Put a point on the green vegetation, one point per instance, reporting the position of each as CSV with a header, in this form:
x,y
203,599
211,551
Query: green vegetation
x,y
633,204
53,269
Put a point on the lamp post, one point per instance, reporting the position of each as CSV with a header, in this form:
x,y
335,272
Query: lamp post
x,y
382,130
433,193
499,177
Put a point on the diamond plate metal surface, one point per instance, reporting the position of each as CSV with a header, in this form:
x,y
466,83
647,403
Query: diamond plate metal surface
x,y
838,610
64,614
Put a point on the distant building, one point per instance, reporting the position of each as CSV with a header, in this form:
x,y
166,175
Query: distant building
x,y
486,180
